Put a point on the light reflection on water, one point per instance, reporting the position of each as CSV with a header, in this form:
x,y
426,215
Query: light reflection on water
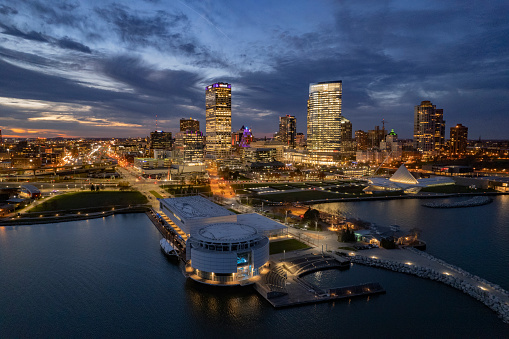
x,y
108,277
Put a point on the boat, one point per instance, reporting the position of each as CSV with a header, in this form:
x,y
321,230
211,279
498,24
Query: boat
x,y
167,248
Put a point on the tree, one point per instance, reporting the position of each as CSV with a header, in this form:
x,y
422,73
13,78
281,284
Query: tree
x,y
311,214
347,235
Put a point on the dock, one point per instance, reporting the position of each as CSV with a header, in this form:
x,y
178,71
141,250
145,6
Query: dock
x,y
176,240
283,285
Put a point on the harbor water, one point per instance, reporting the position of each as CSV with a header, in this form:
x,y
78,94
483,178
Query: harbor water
x,y
107,277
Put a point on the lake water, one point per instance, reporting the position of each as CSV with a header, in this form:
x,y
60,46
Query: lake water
x,y
108,278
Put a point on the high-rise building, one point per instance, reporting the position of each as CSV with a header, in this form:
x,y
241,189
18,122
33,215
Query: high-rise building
x,y
287,130
218,125
459,137
189,125
160,140
361,139
375,136
324,117
190,147
429,127
439,129
346,129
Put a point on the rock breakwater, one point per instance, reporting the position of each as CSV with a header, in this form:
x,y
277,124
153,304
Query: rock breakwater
x,y
463,281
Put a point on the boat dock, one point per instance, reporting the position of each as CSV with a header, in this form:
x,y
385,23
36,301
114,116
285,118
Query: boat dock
x,y
174,236
283,286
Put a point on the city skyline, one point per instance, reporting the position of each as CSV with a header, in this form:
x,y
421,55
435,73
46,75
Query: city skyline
x,y
104,69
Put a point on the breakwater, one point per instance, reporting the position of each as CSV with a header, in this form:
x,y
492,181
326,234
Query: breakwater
x,y
475,201
491,295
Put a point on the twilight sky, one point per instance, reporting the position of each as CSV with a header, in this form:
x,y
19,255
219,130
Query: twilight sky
x,y
107,68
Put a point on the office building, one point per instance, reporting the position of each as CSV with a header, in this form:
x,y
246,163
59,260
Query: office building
x,y
324,117
459,137
361,139
190,148
218,125
190,124
429,128
160,140
287,130
375,136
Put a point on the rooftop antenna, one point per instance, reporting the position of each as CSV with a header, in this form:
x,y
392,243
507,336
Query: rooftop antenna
x,y
383,124
156,122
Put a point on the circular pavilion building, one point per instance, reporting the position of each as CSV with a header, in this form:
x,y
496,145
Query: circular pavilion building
x,y
226,253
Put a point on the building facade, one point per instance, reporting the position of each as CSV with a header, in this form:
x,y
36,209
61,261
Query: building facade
x,y
190,124
324,117
288,130
459,137
429,128
190,148
218,127
159,140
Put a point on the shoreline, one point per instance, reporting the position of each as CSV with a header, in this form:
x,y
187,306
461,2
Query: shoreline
x,y
70,216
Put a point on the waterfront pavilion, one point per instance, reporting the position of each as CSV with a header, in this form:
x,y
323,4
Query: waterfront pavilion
x,y
222,248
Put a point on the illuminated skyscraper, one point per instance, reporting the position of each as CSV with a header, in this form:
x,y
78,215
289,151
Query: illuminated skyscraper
x,y
218,128
429,127
189,125
287,130
189,146
324,117
459,137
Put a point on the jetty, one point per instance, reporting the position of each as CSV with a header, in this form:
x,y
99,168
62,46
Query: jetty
x,y
426,266
475,201
283,285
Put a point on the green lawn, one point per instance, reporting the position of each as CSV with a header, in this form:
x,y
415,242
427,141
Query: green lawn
x,y
286,245
157,195
89,200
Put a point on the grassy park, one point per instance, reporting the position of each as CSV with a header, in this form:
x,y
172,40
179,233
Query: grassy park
x,y
157,195
286,245
78,200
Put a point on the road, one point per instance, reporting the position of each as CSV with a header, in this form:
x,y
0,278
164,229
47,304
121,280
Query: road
x,y
144,186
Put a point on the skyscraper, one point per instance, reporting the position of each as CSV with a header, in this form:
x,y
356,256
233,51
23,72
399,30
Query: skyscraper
x,y
429,127
189,145
218,127
160,140
190,124
287,130
459,137
324,117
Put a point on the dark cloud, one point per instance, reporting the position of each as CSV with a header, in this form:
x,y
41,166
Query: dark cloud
x,y
66,42
11,30
137,29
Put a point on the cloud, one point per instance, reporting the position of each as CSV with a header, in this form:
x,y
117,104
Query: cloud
x,y
16,32
66,42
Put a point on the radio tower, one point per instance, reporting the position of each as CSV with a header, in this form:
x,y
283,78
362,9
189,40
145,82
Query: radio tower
x,y
156,122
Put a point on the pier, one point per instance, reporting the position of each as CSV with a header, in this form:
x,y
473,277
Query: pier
x,y
283,286
176,240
